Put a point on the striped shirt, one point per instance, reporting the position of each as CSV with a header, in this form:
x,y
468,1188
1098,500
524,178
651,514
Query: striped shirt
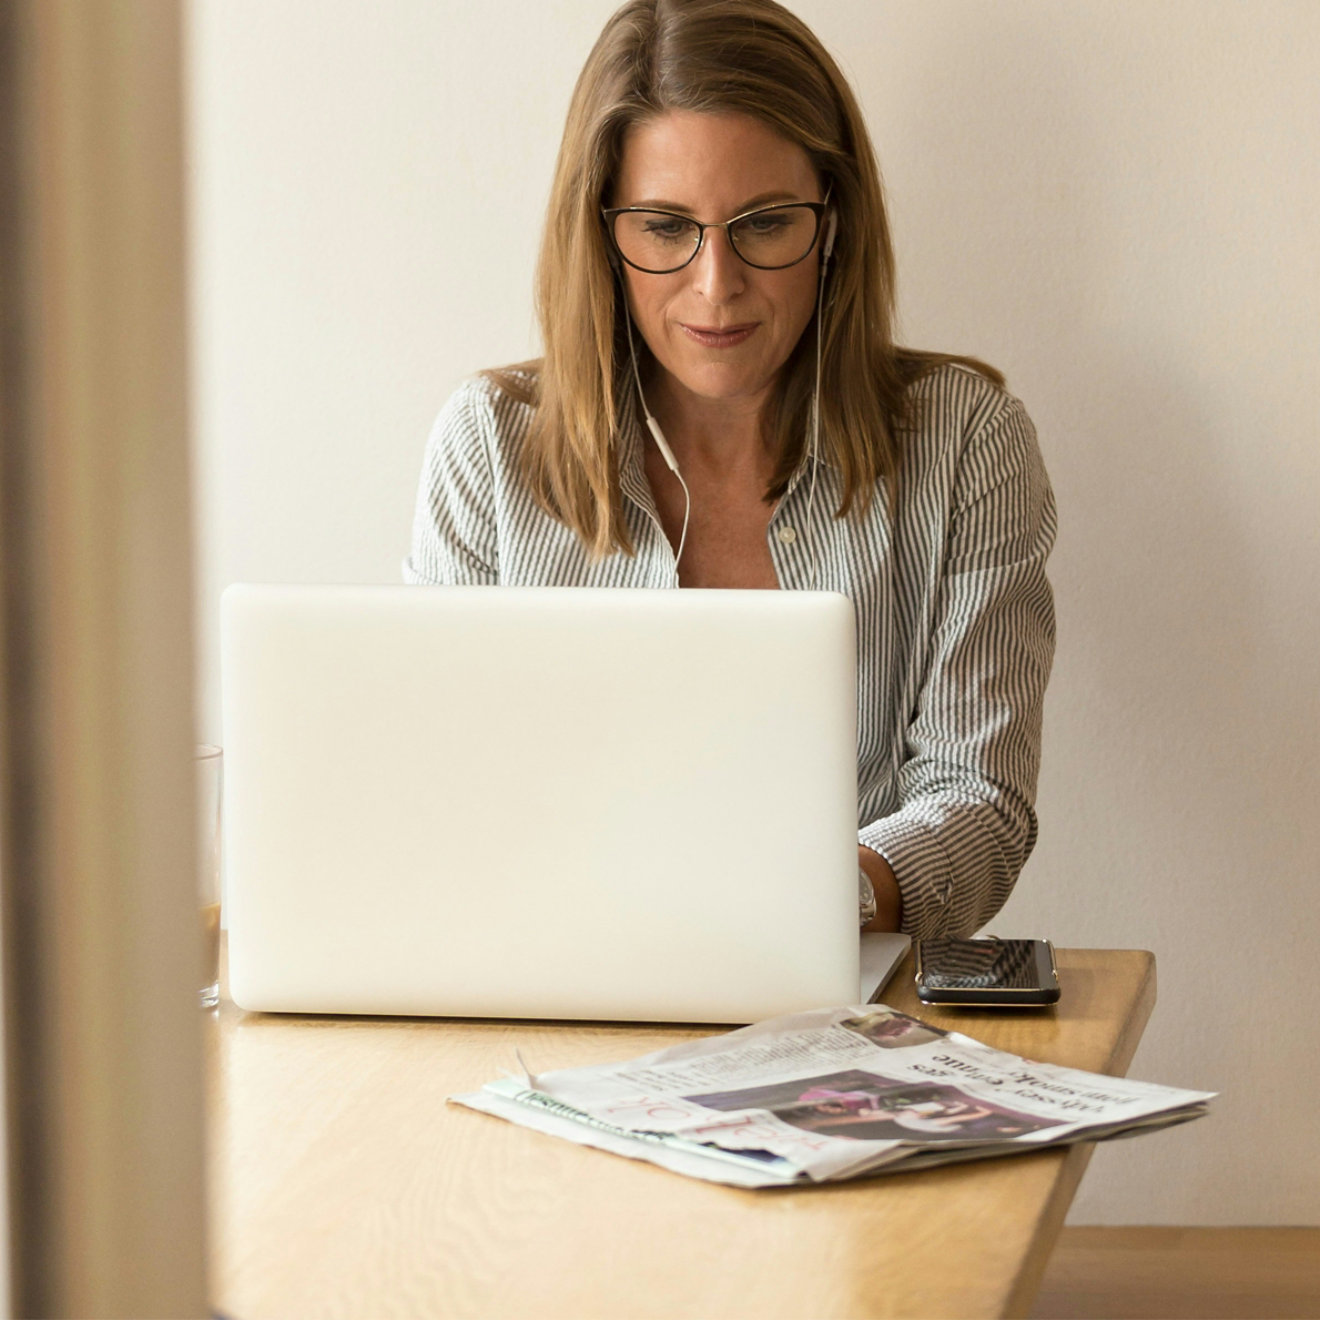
x,y
955,619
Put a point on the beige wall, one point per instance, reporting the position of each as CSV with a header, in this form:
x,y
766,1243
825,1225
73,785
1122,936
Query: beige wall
x,y
1114,201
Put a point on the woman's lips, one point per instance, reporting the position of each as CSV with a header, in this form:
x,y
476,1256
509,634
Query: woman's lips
x,y
718,337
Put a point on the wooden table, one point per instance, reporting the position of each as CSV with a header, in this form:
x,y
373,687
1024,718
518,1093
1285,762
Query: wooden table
x,y
343,1185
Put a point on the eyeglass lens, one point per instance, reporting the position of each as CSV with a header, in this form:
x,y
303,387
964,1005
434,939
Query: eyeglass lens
x,y
659,242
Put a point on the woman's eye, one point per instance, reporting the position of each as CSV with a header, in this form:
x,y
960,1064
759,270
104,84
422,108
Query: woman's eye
x,y
765,225
666,228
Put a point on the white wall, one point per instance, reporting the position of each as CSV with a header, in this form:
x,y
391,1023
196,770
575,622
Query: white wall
x,y
1116,202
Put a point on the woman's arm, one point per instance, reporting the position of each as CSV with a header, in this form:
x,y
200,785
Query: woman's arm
x,y
967,785
454,540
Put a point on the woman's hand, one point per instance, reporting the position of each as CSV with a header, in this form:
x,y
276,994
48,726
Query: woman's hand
x,y
888,901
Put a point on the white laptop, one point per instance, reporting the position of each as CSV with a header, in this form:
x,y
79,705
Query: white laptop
x,y
543,803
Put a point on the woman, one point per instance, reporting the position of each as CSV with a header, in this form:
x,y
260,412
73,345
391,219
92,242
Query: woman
x,y
933,1113
721,404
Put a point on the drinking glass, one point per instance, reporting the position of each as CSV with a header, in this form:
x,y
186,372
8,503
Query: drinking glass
x,y
208,764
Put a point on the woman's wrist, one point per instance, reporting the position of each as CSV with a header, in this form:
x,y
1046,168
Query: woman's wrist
x,y
884,884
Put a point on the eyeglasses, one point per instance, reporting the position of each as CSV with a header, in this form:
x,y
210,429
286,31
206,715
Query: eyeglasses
x,y
661,242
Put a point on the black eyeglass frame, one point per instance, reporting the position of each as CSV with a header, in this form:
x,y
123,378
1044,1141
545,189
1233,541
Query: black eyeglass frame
x,y
818,209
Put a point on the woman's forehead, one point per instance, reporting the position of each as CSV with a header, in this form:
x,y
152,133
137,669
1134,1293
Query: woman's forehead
x,y
692,161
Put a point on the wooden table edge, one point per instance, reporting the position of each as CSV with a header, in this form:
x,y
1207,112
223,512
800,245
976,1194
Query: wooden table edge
x,y
1026,1286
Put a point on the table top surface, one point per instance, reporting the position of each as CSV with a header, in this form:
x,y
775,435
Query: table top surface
x,y
344,1185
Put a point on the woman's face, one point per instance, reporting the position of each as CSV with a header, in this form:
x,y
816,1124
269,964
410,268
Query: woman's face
x,y
719,328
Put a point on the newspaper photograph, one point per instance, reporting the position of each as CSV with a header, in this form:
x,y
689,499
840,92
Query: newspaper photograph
x,y
826,1095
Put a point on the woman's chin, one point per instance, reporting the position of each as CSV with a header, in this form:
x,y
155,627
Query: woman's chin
x,y
724,382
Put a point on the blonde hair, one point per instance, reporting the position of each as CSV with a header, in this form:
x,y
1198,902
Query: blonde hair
x,y
748,57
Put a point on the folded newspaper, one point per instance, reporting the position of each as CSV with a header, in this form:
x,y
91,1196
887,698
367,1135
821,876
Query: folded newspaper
x,y
830,1094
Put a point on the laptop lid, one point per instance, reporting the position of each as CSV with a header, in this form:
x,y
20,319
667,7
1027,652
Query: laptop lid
x,y
540,802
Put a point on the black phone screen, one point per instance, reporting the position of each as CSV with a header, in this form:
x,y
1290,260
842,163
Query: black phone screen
x,y
986,964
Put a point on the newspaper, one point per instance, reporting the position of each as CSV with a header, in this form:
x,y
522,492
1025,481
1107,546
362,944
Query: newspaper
x,y
826,1095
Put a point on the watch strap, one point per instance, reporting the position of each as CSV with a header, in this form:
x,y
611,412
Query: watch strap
x,y
866,907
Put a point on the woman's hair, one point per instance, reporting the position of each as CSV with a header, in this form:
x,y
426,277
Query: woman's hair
x,y
748,57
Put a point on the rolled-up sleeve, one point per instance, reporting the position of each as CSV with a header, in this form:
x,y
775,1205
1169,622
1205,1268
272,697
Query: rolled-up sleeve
x,y
967,784
454,539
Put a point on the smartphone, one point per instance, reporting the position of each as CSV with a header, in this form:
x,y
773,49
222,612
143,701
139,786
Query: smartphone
x,y
987,972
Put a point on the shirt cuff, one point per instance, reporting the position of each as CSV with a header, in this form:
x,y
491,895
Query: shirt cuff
x,y
920,865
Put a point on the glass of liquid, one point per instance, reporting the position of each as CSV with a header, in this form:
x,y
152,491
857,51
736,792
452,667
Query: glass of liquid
x,y
208,763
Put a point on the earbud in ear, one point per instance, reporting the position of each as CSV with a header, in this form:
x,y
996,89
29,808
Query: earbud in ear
x,y
831,230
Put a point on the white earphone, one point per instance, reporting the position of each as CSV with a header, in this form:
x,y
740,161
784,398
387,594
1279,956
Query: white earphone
x,y
826,252
659,437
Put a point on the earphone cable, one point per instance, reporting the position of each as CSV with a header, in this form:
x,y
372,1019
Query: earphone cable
x,y
661,443
815,429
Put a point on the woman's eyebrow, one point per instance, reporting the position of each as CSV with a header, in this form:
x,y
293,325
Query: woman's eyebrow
x,y
763,199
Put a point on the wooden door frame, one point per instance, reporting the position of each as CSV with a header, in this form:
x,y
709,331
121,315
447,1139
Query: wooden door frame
x,y
103,1049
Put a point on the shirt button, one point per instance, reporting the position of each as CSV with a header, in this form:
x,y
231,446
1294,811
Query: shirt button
x,y
787,535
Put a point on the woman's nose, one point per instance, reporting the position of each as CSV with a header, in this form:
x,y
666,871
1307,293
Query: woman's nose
x,y
719,273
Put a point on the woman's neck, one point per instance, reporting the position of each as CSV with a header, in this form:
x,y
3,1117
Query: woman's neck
x,y
720,437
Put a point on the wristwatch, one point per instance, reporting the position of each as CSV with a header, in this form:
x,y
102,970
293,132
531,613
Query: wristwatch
x,y
865,898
